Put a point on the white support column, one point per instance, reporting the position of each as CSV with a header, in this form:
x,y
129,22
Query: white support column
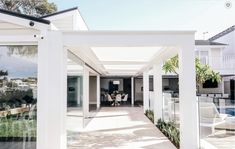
x,y
132,91
189,126
52,92
98,91
158,97
86,92
146,91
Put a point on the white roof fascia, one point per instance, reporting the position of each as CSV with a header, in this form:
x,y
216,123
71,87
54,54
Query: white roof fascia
x,y
23,22
211,46
78,21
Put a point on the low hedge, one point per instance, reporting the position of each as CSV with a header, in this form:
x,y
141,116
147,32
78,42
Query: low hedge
x,y
150,115
170,131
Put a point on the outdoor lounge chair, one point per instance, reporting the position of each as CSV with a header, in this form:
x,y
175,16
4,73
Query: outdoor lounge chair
x,y
209,116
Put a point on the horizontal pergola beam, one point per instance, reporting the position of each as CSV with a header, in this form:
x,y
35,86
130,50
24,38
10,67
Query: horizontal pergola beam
x,y
18,40
123,62
125,38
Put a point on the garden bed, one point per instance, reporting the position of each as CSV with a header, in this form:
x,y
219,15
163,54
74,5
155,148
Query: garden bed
x,y
167,128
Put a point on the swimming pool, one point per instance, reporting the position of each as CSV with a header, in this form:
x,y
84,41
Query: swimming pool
x,y
230,111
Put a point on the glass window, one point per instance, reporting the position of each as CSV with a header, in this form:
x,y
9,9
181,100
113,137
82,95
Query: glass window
x,y
18,97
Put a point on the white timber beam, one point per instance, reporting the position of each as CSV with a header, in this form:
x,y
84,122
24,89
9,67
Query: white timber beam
x,y
86,92
98,91
18,40
52,92
132,91
189,126
146,91
124,38
158,96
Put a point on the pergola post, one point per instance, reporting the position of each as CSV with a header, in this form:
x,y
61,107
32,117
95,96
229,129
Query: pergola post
x,y
52,92
132,91
157,85
189,126
146,91
98,91
86,92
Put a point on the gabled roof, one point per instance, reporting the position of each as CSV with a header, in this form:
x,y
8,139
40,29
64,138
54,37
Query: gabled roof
x,y
60,12
223,33
32,18
208,43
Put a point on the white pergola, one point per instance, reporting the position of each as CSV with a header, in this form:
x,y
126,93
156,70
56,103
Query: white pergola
x,y
52,76
53,46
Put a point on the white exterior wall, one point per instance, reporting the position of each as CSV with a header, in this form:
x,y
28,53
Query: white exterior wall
x,y
104,83
228,39
138,89
93,90
219,89
63,23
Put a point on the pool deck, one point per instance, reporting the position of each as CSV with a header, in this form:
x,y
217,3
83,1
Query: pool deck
x,y
119,128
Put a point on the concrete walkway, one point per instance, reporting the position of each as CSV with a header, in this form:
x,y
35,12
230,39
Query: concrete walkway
x,y
120,128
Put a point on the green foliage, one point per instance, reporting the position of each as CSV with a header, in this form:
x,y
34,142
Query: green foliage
x,y
170,130
29,7
171,65
203,72
16,98
150,115
12,128
3,73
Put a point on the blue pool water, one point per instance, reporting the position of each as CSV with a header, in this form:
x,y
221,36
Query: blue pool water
x,y
230,111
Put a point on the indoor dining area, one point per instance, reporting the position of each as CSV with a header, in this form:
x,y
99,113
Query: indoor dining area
x,y
115,91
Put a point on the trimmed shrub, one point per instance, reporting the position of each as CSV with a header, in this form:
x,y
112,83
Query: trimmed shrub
x,y
170,131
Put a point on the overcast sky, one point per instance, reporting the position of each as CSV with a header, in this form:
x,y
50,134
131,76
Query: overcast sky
x,y
201,15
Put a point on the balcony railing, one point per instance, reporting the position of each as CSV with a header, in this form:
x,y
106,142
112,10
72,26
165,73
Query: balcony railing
x,y
223,64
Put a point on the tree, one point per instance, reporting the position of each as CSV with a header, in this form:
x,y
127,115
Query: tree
x,y
3,73
30,7
203,72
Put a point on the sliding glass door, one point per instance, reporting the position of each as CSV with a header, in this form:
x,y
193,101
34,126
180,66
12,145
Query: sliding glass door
x,y
75,116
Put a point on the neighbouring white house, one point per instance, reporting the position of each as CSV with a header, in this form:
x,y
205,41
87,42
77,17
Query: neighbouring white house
x,y
218,53
72,60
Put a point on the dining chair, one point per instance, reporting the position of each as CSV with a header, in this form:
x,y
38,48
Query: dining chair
x,y
110,100
125,98
118,98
